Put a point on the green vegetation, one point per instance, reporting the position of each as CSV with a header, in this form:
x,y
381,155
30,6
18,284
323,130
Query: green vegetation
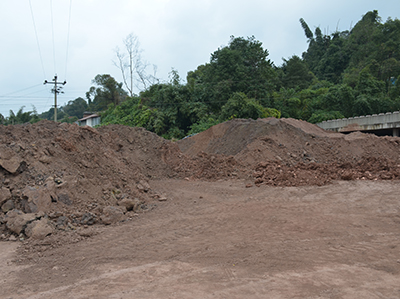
x,y
20,118
342,74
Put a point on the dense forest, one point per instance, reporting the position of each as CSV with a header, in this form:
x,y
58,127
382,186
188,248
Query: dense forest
x,y
343,74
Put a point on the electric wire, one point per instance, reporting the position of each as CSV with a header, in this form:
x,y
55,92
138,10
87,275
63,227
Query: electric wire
x,y
7,94
11,97
37,39
69,26
52,31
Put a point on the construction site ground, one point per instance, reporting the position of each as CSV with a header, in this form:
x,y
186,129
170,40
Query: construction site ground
x,y
248,209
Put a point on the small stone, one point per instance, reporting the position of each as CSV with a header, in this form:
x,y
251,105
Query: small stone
x,y
162,198
39,197
8,206
5,195
130,204
62,223
39,229
45,159
64,198
112,214
88,219
55,215
143,186
249,185
12,238
17,221
10,161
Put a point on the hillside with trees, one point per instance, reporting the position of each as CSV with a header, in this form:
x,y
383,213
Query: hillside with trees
x,y
343,74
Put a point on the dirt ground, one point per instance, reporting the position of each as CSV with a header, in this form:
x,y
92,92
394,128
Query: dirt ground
x,y
247,209
222,240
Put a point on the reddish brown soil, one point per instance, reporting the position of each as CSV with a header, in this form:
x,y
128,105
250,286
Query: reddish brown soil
x,y
247,209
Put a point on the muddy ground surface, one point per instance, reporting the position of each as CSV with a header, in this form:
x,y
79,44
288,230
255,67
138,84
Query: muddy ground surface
x,y
221,240
247,209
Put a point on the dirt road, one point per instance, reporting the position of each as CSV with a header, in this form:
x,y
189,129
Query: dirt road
x,y
222,240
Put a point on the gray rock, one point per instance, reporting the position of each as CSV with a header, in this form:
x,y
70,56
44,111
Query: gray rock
x,y
5,195
143,186
28,207
62,223
112,214
17,220
39,229
88,219
10,161
130,204
64,198
8,206
39,198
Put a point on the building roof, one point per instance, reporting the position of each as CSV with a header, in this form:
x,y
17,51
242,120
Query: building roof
x,y
90,116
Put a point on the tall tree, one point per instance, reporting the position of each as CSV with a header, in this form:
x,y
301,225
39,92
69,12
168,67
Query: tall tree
x,y
132,66
242,66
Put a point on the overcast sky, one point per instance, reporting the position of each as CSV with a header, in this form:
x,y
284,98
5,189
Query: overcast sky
x,y
179,34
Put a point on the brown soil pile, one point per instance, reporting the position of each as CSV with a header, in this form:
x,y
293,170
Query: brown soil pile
x,y
59,176
289,152
370,168
63,175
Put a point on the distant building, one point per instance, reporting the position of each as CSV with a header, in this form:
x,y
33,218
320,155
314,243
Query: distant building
x,y
89,119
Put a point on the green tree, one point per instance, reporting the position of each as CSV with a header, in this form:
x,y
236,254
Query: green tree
x,y
296,73
108,91
240,106
76,107
22,117
242,66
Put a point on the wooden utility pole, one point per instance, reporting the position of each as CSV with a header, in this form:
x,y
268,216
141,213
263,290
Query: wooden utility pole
x,y
56,90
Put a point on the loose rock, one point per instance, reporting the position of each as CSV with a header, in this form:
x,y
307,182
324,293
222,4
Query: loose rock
x,y
8,206
5,195
39,229
17,220
112,214
130,204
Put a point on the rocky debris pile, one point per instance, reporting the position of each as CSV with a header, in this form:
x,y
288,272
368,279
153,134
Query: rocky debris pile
x,y
288,141
59,176
278,174
288,152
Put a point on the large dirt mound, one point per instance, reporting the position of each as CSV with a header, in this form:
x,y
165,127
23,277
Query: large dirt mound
x,y
289,152
60,176
76,175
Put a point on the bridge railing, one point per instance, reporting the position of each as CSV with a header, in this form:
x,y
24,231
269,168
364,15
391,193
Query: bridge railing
x,y
365,122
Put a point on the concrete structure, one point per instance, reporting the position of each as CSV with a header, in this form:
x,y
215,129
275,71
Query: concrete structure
x,y
90,120
380,124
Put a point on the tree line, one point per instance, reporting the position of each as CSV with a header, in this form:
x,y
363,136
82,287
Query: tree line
x,y
343,74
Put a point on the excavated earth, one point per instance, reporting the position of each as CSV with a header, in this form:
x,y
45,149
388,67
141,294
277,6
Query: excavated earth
x,y
267,208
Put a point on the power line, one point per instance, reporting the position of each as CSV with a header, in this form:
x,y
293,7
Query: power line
x,y
52,31
37,39
69,26
7,94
